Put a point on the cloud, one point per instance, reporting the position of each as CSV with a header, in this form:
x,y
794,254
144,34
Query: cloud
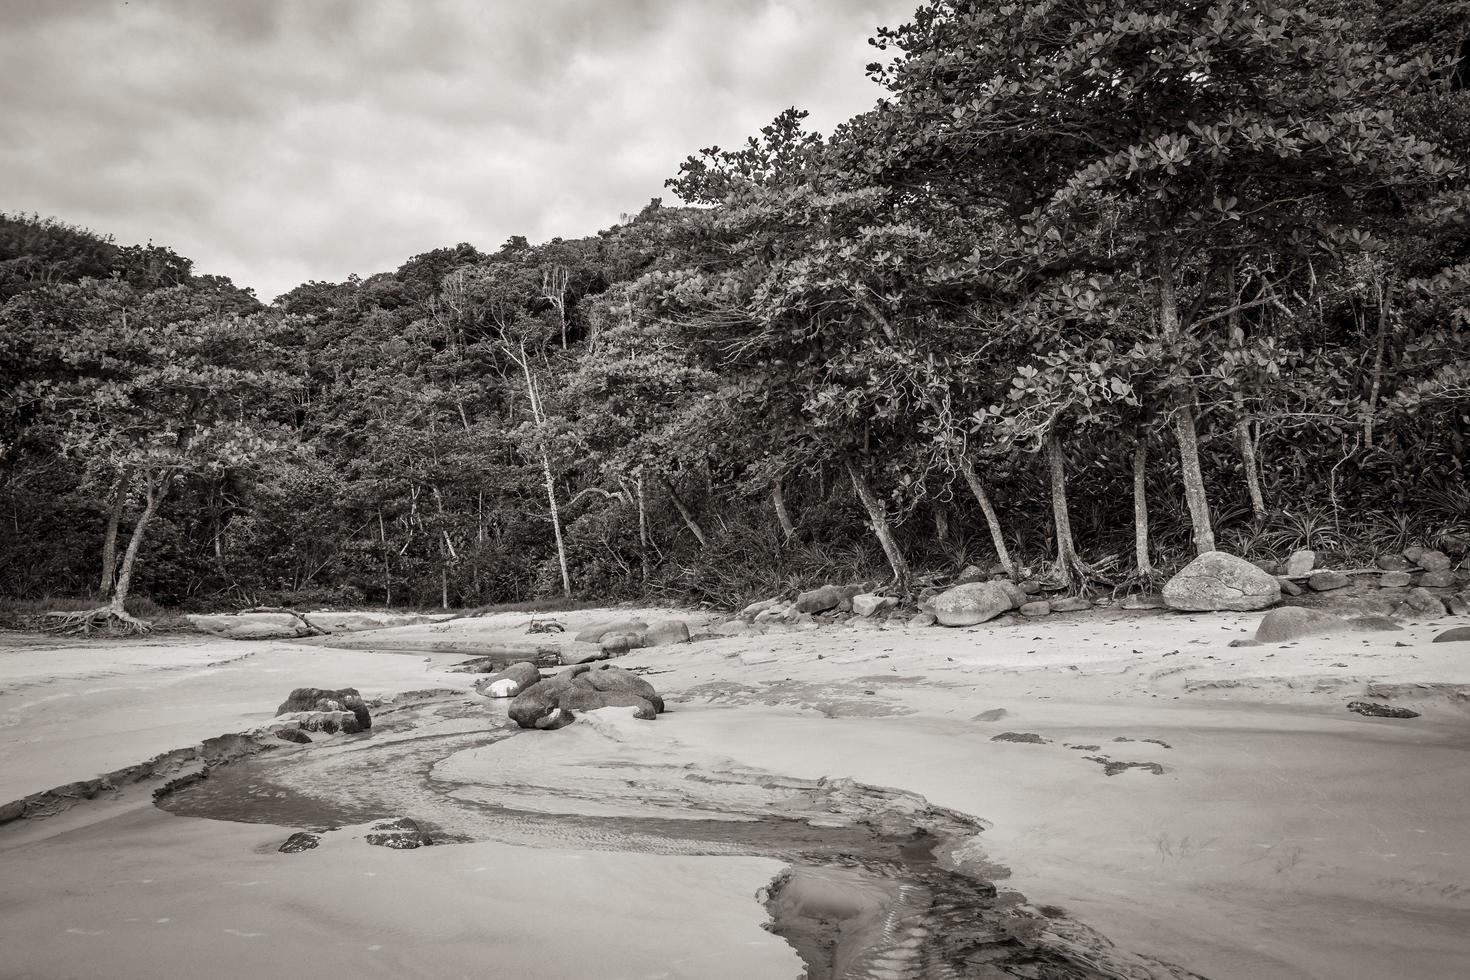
x,y
277,141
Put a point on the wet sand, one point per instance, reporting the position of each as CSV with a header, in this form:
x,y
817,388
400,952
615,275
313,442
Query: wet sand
x,y
1272,834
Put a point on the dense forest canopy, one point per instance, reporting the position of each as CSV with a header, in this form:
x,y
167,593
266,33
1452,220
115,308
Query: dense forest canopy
x,y
1093,287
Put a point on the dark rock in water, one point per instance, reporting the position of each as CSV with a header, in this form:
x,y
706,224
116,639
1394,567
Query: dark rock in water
x,y
1220,581
1460,634
1027,738
510,681
1112,767
1421,600
1294,622
1380,710
1328,581
401,834
322,699
299,842
553,702
293,735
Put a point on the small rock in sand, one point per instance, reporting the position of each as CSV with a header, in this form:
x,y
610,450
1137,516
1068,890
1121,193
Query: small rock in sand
x,y
1380,710
1026,738
298,842
922,620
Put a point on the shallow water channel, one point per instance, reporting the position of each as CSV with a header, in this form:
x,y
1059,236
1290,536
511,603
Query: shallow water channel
x,y
871,889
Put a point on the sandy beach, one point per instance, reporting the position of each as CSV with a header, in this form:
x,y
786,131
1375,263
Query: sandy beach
x,y
1207,809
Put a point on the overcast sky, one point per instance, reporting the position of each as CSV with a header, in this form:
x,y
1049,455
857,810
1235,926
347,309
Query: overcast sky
x,y
277,141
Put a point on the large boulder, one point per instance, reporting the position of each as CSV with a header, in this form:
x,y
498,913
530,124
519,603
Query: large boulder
x,y
1217,580
1300,563
1294,622
327,722
510,681
1435,561
974,602
253,626
868,604
618,643
1439,579
1459,634
594,632
327,699
666,632
1393,563
553,703
581,653
821,599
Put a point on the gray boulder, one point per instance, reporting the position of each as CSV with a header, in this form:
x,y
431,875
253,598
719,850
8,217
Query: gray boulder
x,y
1217,580
1327,581
1423,601
867,604
253,626
1395,580
1018,595
553,703
581,653
666,632
510,681
1393,563
1458,605
1071,603
1460,634
1038,608
1294,622
975,602
1288,587
1435,561
1300,563
594,632
820,600
1414,553
328,700
618,643
1439,579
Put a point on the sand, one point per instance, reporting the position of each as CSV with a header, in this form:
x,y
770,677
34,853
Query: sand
x,y
1271,834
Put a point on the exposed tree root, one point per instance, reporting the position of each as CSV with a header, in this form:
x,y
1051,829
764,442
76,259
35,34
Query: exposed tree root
x,y
102,618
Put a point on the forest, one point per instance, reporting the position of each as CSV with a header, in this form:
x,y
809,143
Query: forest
x,y
1094,287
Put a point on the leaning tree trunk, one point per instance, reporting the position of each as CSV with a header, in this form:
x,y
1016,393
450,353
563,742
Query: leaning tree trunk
x,y
109,540
1185,429
1243,438
992,520
539,418
158,487
1069,566
878,520
1385,298
1140,510
783,516
689,519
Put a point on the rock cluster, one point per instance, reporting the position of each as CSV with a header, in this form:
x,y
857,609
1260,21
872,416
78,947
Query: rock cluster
x,y
509,682
553,702
616,637
325,709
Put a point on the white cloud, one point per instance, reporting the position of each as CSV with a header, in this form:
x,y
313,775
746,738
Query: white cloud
x,y
277,141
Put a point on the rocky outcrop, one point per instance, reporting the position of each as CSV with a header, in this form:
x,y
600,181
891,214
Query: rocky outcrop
x,y
1373,710
1220,581
553,703
316,699
975,602
401,834
1294,622
253,626
821,599
1424,602
594,632
509,682
666,632
1460,634
868,604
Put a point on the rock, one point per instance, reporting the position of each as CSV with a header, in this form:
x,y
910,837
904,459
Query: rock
x,y
976,602
1071,603
820,600
1034,609
1393,563
1380,710
1458,605
1030,587
584,653
1373,624
1328,581
1018,595
353,622
756,608
1455,544
510,681
324,699
1268,566
775,614
1394,580
1378,605
736,627
401,834
253,626
970,573
1435,561
1300,563
922,620
1217,580
1423,601
1288,587
293,735
1460,634
666,632
1438,579
1294,622
1140,600
868,604
326,722
298,842
594,632
618,643
553,703
1413,554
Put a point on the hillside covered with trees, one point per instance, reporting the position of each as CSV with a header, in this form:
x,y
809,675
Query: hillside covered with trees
x,y
1095,286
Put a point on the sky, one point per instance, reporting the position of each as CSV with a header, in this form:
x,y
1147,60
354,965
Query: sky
x,y
281,141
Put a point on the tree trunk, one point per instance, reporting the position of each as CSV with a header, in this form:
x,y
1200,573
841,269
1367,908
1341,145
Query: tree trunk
x,y
1140,509
561,548
109,540
941,523
1248,458
1385,299
387,578
684,512
1185,429
783,516
1068,563
158,487
878,520
992,520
